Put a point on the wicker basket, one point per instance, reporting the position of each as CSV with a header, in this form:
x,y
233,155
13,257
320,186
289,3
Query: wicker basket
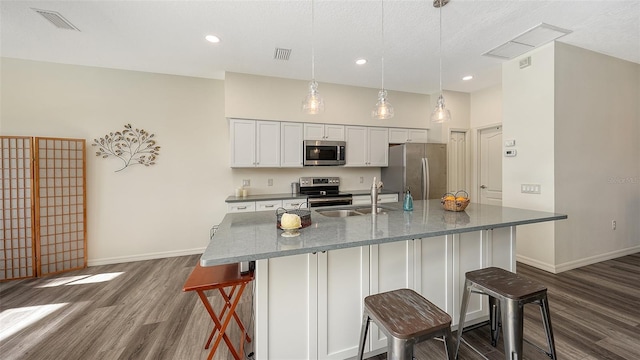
x,y
455,205
305,216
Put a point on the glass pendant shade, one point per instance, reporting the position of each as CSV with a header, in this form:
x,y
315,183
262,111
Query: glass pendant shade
x,y
383,109
440,113
313,103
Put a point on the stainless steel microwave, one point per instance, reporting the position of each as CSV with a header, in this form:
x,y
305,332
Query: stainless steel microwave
x,y
324,153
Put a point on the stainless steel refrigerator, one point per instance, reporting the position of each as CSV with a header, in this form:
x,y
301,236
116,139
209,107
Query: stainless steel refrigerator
x,y
421,168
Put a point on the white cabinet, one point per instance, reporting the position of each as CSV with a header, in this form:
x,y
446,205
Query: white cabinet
x,y
254,143
324,132
366,199
265,205
367,146
401,136
291,144
311,305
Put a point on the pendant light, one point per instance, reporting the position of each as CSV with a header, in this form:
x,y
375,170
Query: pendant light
x,y
313,104
440,113
383,109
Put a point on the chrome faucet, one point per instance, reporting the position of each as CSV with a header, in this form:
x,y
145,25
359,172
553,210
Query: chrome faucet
x,y
375,187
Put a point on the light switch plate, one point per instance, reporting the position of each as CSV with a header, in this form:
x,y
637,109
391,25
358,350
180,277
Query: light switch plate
x,y
530,188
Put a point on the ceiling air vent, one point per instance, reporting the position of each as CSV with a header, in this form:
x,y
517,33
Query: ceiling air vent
x,y
282,54
527,41
56,19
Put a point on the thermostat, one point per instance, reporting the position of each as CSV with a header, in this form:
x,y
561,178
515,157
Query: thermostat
x,y
510,153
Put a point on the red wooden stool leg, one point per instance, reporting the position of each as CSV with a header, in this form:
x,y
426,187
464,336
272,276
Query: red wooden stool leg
x,y
227,299
216,322
225,323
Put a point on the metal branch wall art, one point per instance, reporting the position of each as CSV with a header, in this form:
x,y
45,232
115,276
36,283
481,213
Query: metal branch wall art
x,y
132,146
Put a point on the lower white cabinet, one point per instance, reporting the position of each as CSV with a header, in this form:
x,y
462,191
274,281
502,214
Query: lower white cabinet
x,y
310,306
245,206
268,205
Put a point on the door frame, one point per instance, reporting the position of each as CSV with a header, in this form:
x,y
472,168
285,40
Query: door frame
x,y
475,161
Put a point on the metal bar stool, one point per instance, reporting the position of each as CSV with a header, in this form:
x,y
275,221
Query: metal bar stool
x,y
231,284
406,318
508,293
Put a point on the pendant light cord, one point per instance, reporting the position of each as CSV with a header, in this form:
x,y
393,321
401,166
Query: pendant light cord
x,y
382,30
440,44
313,57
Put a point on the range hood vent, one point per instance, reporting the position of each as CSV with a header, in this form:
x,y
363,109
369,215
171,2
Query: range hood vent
x,y
56,19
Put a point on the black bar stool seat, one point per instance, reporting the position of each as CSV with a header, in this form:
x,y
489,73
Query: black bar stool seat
x,y
406,318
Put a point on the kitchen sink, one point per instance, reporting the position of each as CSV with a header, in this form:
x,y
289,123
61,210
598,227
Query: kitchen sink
x,y
351,211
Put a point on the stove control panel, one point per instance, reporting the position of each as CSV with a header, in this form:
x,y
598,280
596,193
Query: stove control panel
x,y
323,181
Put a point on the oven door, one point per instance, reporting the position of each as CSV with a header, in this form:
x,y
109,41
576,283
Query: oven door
x,y
329,201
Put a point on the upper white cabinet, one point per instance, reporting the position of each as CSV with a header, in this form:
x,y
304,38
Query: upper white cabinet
x,y
401,136
367,146
324,132
291,144
254,143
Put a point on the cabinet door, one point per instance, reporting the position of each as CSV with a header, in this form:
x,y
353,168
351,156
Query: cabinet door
x,y
334,132
387,198
286,307
295,204
392,267
267,144
291,144
343,283
313,131
378,144
356,146
243,142
417,136
361,200
398,136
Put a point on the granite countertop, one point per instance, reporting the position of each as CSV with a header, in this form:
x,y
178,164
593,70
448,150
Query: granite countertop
x,y
254,235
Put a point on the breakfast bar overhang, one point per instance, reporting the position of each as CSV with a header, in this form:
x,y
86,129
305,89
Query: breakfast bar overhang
x,y
310,287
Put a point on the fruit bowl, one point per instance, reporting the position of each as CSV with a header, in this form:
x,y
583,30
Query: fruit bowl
x,y
455,202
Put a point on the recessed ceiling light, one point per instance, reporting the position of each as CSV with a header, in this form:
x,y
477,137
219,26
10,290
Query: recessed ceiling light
x,y
467,78
212,38
361,61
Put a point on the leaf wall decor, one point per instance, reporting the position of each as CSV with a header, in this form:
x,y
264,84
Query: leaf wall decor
x,y
132,146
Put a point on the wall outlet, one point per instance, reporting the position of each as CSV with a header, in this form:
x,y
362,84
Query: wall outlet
x,y
530,188
246,182
613,225
510,143
361,179
270,182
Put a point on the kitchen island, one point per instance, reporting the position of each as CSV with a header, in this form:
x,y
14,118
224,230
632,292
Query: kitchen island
x,y
309,288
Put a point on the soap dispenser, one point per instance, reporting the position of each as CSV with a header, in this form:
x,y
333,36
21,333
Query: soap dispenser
x,y
408,201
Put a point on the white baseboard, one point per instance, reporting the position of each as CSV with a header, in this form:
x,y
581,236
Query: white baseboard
x,y
535,263
141,257
555,269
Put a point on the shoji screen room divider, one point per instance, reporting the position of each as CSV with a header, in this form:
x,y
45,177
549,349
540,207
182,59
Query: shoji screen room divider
x,y
43,219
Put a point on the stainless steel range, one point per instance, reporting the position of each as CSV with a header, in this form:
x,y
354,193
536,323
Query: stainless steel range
x,y
324,191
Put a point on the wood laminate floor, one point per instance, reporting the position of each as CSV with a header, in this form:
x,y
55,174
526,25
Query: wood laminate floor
x,y
138,311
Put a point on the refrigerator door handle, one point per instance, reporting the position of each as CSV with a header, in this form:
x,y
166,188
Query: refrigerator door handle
x,y
425,179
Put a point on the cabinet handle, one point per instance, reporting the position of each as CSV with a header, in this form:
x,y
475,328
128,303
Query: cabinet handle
x,y
242,207
294,204
268,206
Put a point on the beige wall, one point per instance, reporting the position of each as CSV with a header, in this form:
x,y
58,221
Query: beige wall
x,y
140,212
597,157
575,119
267,98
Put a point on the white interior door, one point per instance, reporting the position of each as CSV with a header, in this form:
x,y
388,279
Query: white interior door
x,y
490,166
457,161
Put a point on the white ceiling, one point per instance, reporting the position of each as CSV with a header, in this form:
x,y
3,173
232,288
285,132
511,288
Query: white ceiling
x,y
168,37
